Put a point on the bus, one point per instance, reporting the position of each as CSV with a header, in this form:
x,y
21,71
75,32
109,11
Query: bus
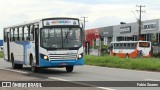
x,y
131,49
48,42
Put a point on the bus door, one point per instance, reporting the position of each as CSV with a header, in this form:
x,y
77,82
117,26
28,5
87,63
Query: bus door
x,y
8,46
37,43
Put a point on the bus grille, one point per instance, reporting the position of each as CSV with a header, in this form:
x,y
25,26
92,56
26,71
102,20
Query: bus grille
x,y
72,56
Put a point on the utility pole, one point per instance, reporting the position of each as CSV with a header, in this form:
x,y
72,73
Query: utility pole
x,y
139,21
84,21
87,43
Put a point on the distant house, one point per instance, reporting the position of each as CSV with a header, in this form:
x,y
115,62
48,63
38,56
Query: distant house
x,y
1,42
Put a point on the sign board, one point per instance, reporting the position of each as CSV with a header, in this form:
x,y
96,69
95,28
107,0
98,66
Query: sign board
x,y
149,26
60,22
126,29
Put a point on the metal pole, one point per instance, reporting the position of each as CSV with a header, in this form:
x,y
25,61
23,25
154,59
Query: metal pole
x,y
139,21
140,24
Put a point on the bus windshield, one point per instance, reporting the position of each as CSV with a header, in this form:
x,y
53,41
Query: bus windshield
x,y
61,38
144,44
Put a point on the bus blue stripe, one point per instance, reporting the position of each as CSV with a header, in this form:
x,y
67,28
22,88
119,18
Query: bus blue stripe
x,y
26,45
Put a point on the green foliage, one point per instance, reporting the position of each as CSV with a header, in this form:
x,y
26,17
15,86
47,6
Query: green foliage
x,y
157,55
105,46
1,54
152,64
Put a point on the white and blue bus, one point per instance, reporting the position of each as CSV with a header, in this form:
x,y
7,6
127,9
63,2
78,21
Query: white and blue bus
x,y
49,42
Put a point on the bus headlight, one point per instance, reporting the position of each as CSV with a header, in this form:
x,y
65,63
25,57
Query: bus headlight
x,y
80,56
45,57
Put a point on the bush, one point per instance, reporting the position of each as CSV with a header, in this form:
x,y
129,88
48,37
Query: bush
x,y
152,64
1,54
157,55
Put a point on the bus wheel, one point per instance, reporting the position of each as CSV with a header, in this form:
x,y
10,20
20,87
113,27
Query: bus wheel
x,y
33,67
20,66
69,68
16,66
127,56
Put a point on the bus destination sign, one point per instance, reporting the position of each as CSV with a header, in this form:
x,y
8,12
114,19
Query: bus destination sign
x,y
60,22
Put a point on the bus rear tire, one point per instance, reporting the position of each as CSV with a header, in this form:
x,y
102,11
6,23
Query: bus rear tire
x,y
69,68
14,65
20,66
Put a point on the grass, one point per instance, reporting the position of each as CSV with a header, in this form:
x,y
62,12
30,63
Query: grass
x,y
151,64
1,54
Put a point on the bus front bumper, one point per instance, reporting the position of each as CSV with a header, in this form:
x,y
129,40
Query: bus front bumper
x,y
60,63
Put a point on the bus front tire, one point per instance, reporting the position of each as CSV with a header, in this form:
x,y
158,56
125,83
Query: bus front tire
x,y
69,68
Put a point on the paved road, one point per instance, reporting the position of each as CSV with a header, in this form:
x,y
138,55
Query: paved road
x,y
83,73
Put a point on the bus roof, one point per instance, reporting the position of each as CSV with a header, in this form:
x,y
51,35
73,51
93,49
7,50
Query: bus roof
x,y
36,21
23,24
128,41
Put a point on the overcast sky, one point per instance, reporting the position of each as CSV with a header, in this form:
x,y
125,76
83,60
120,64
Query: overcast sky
x,y
100,13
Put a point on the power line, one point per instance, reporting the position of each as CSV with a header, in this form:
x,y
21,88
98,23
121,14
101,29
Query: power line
x,y
139,21
134,15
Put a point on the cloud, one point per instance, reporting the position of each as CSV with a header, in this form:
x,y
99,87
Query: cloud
x,y
99,12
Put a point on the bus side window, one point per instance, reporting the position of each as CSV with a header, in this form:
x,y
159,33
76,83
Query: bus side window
x,y
25,33
16,34
31,33
134,45
125,46
12,35
128,46
28,38
5,35
20,33
121,46
115,46
118,45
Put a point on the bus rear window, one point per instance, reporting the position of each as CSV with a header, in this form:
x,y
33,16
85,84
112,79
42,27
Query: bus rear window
x,y
144,44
